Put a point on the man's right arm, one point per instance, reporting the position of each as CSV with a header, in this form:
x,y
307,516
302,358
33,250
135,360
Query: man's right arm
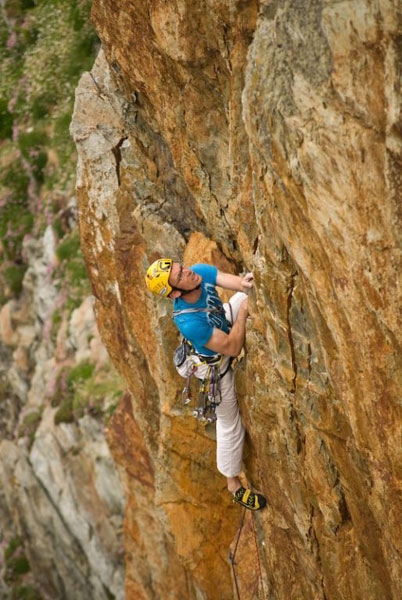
x,y
230,343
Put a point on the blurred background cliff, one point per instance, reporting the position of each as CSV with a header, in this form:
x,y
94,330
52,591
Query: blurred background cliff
x,y
61,503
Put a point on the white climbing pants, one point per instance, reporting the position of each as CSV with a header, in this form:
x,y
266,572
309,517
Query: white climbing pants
x,y
229,426
229,429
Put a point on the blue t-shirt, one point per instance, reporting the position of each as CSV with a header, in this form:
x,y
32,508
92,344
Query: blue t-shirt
x,y
197,328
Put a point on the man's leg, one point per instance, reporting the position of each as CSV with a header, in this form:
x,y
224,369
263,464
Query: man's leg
x,y
229,433
229,427
232,307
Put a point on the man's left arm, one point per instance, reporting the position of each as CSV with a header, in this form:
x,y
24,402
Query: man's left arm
x,y
234,282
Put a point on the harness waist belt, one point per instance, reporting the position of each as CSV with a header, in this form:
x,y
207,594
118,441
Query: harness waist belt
x,y
209,359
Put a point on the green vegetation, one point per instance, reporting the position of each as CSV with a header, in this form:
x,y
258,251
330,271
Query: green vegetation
x,y
65,413
71,270
6,120
16,567
15,220
78,374
45,45
13,545
80,390
69,247
13,276
56,322
25,592
29,425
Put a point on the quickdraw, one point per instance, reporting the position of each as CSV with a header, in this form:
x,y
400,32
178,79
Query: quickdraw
x,y
209,396
186,394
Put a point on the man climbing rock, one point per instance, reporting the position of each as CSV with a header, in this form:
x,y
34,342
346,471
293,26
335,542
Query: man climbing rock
x,y
216,332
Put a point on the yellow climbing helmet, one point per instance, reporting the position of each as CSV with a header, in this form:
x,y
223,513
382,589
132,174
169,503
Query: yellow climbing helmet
x,y
157,277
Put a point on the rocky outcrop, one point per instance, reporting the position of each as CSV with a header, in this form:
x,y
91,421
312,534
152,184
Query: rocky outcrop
x,y
61,502
263,136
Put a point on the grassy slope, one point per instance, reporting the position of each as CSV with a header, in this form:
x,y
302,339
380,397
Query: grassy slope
x,y
45,46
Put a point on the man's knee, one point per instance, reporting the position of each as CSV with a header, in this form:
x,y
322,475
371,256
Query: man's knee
x,y
233,305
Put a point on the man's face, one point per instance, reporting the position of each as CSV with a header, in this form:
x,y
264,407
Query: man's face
x,y
184,278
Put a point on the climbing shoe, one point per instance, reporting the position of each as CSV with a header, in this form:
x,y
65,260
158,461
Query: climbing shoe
x,y
249,499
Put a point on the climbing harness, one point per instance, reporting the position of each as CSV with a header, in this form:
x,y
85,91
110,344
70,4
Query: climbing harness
x,y
232,555
209,396
188,361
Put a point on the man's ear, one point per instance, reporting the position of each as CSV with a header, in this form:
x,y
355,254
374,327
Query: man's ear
x,y
175,294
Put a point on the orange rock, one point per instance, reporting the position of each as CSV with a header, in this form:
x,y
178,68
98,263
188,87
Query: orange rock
x,y
262,137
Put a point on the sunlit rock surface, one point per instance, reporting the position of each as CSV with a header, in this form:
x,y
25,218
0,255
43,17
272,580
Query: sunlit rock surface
x,y
265,137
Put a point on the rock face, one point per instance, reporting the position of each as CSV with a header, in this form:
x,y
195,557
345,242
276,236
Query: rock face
x,y
61,501
263,136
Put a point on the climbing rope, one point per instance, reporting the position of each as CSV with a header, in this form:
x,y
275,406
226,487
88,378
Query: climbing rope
x,y
258,557
232,555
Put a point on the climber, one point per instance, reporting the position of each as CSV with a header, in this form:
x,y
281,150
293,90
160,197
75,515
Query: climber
x,y
213,329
